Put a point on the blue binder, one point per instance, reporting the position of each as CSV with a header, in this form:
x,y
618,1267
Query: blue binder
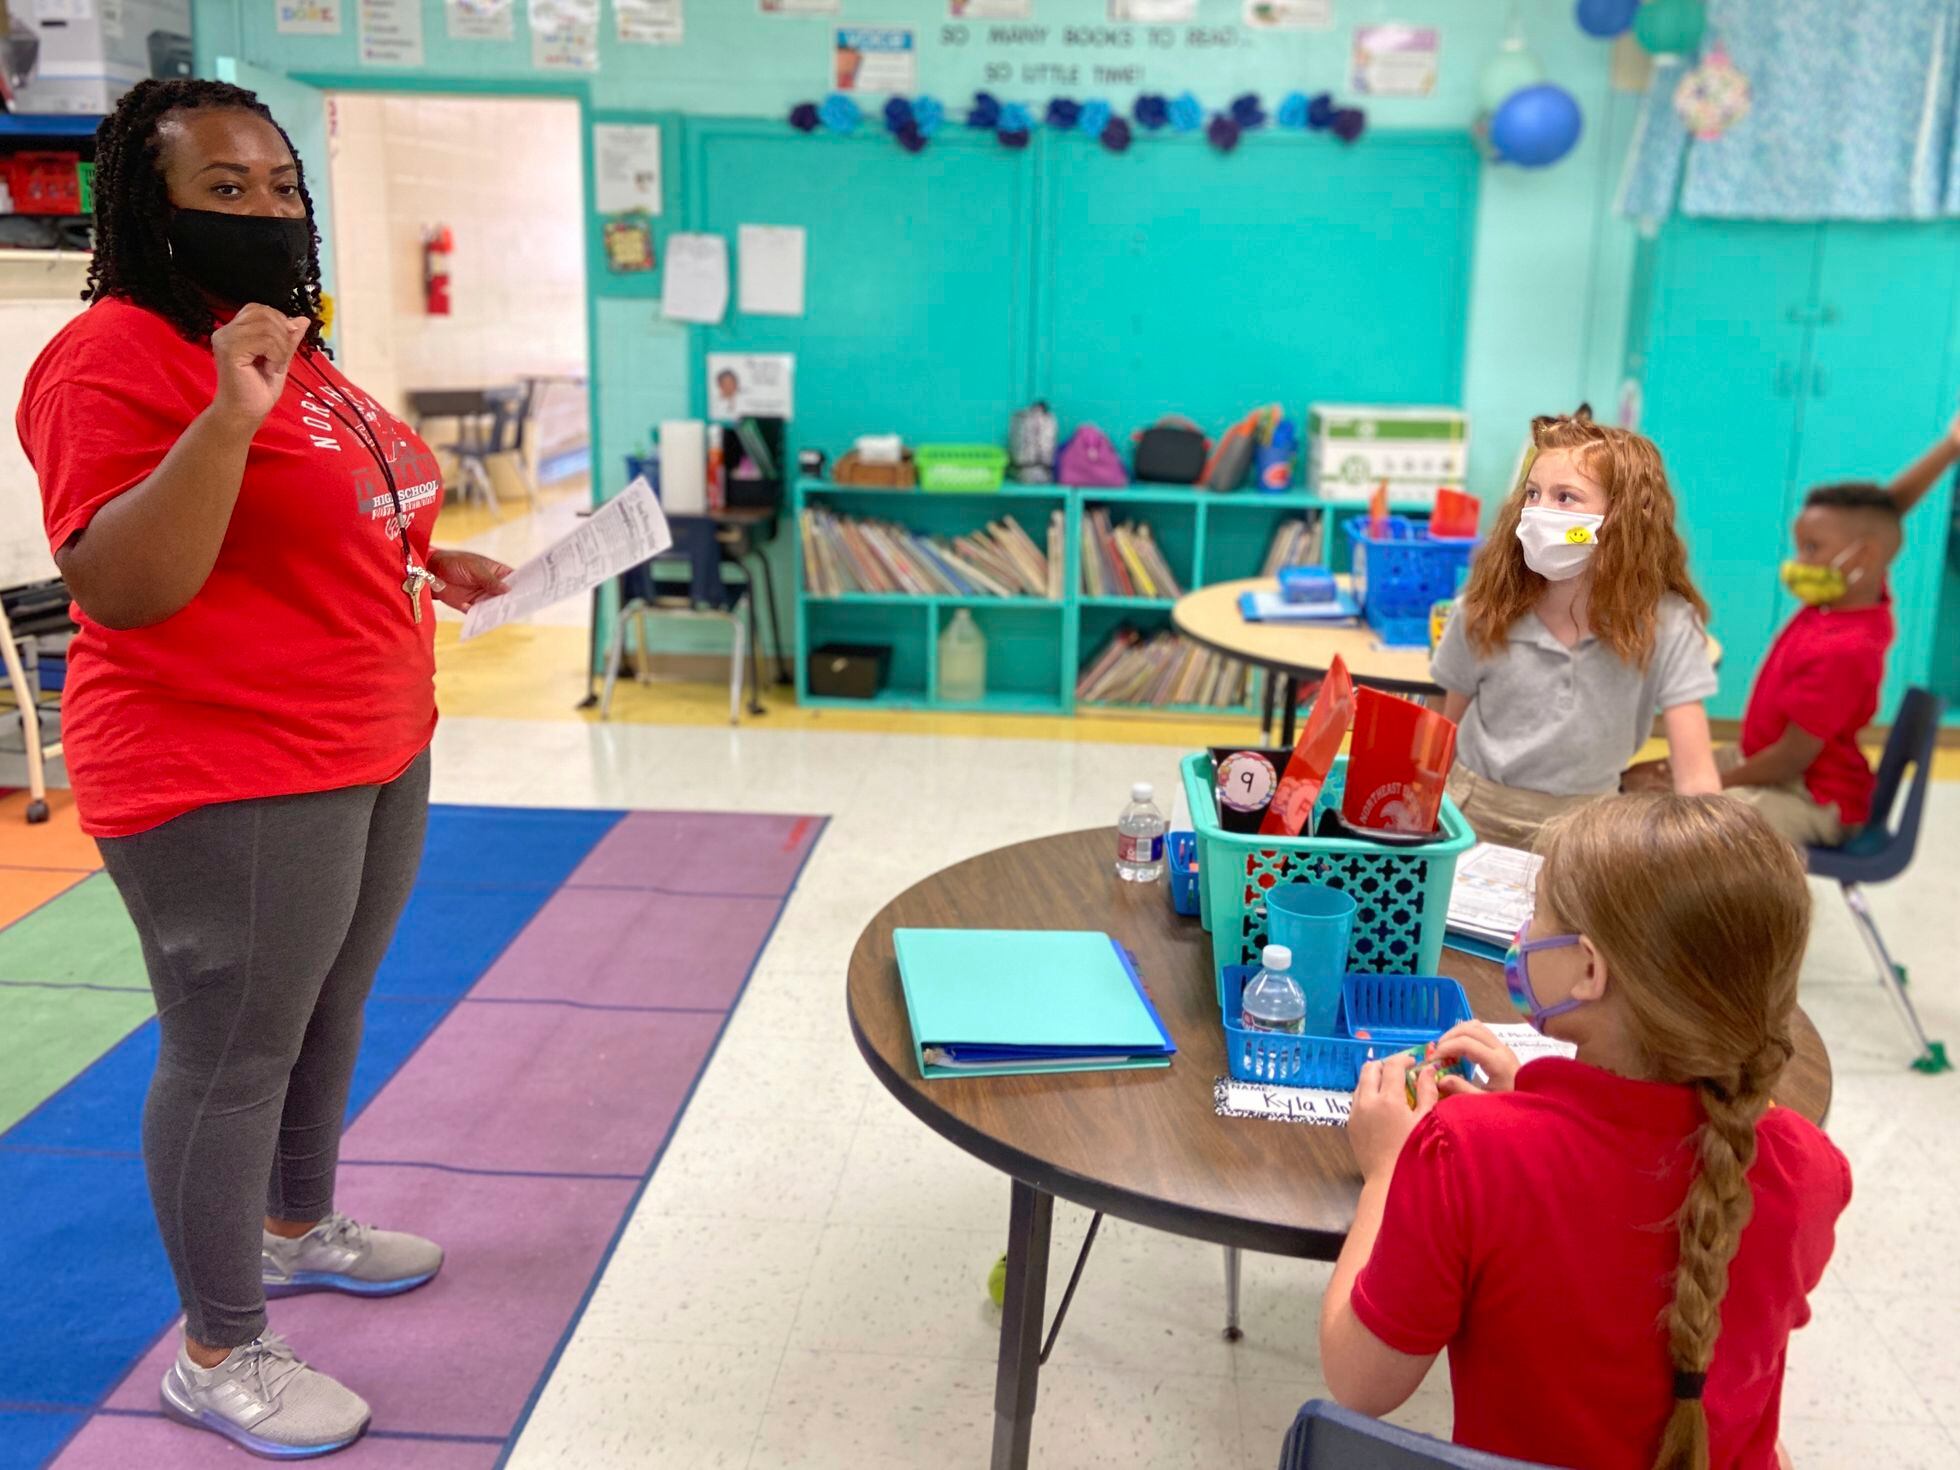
x,y
998,1002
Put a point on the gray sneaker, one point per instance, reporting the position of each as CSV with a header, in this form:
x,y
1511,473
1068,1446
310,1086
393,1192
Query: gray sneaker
x,y
264,1399
341,1255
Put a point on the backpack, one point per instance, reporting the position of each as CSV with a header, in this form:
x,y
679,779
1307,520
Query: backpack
x,y
1031,436
1171,451
1090,459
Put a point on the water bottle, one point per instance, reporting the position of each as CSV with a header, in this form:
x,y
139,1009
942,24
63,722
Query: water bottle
x,y
962,661
1273,1000
1140,837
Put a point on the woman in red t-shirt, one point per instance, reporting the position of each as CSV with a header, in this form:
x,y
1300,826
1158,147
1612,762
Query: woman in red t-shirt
x,y
247,718
1574,1234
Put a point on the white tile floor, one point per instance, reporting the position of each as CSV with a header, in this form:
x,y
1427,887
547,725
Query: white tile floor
x,y
806,1290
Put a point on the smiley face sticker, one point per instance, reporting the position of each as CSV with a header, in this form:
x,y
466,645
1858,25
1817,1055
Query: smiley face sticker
x,y
1579,536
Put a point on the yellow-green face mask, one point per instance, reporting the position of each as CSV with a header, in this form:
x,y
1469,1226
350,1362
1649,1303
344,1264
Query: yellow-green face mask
x,y
1818,586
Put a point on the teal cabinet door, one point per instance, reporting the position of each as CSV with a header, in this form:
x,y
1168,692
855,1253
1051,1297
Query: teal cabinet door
x,y
1726,360
1878,392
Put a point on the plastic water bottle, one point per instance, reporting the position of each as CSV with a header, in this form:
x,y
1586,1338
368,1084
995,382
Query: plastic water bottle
x,y
1273,1000
962,661
1140,837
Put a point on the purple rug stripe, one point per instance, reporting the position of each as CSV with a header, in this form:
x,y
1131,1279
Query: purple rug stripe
x,y
701,853
611,946
155,1443
459,1356
557,1091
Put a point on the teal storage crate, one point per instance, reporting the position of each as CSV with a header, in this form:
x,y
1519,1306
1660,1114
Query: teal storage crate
x,y
1401,894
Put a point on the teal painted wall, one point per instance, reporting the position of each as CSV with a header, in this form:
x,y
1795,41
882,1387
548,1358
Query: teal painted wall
x,y
1550,264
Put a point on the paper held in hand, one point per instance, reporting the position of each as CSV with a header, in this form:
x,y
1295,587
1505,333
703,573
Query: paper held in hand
x,y
616,537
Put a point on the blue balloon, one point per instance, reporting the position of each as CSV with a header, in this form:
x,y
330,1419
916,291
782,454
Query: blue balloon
x,y
1536,126
1606,18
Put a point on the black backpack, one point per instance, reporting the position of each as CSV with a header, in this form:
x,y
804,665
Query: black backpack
x,y
1171,451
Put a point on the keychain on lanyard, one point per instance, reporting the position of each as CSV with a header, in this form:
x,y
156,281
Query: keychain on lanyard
x,y
415,577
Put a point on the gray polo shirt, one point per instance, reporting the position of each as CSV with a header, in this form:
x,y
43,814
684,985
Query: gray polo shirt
x,y
1566,721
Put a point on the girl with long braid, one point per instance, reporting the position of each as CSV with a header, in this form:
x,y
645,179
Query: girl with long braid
x,y
1614,1249
247,717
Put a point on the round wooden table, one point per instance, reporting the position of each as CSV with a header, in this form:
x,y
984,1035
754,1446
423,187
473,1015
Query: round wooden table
x,y
1144,1145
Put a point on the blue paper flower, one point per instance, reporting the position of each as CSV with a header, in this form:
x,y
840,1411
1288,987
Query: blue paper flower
x,y
1116,135
1015,118
1320,112
898,115
1095,117
910,138
1293,110
985,112
1063,112
803,117
1151,110
927,114
1247,112
840,114
1348,123
1187,114
1223,132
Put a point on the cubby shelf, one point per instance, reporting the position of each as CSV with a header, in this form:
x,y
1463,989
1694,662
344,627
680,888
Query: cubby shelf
x,y
1037,646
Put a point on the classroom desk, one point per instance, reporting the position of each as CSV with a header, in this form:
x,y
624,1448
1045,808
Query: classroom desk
x,y
1143,1145
1302,652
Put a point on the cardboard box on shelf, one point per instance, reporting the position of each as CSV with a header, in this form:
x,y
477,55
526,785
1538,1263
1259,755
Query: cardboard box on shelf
x,y
86,55
1351,448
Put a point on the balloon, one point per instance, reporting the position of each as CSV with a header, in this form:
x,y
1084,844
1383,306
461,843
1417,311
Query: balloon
x,y
1512,69
1670,27
1606,18
1537,126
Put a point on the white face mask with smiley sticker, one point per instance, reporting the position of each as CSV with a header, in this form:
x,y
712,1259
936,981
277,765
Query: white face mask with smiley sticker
x,y
1558,543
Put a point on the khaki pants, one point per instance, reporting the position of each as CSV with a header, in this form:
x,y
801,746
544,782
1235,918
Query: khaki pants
x,y
1789,808
1509,816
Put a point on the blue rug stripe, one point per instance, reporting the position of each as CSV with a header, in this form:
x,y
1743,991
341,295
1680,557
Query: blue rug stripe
x,y
76,1230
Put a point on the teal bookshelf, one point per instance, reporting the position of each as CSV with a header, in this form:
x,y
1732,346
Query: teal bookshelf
x,y
1036,646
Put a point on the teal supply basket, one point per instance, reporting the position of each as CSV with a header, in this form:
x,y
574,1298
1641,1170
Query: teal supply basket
x,y
1401,894
1181,856
1397,1012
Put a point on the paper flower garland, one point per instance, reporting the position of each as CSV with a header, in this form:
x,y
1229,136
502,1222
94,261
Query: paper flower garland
x,y
1063,113
1187,116
803,117
985,112
1320,112
840,114
1247,112
1293,111
1222,132
927,114
1348,123
1151,111
1016,126
1094,117
898,115
1714,97
1116,135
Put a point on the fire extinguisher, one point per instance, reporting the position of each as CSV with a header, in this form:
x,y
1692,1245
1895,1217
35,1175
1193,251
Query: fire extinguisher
x,y
436,245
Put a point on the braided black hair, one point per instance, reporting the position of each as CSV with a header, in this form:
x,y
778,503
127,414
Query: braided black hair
x,y
132,208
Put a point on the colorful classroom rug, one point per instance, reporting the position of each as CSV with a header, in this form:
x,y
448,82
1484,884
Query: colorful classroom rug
x,y
558,984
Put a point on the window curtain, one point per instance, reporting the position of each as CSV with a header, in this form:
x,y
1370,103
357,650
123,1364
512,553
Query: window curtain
x,y
1852,117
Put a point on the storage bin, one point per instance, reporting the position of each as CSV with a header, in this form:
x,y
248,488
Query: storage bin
x,y
1401,894
1404,571
1181,856
1397,1012
849,670
960,466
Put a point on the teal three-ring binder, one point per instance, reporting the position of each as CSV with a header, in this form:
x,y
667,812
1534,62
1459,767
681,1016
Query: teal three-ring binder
x,y
995,1002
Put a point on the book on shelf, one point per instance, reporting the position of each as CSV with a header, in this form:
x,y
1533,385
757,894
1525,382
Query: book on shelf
x,y
1124,560
843,554
1295,543
1161,669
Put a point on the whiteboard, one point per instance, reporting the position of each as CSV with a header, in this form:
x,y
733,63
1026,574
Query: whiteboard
x,y
25,327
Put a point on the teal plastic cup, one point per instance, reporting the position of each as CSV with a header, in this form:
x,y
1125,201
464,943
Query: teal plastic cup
x,y
1317,924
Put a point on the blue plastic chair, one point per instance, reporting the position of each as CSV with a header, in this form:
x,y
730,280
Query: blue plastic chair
x,y
1880,851
1325,1436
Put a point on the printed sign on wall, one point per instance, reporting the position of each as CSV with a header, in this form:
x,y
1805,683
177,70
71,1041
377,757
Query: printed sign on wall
x,y
480,20
875,59
309,17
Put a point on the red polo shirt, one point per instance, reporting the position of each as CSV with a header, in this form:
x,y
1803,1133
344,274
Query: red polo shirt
x,y
296,667
1822,675
1532,1234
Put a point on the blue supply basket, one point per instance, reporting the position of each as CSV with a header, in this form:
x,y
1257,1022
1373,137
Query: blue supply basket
x,y
1404,571
1181,853
1397,1012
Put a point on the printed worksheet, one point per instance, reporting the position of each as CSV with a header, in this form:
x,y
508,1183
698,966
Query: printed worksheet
x,y
616,537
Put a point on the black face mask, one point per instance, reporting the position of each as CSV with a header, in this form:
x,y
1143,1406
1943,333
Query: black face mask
x,y
241,257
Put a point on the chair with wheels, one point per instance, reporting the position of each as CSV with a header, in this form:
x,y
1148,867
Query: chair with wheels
x,y
1880,851
1325,1436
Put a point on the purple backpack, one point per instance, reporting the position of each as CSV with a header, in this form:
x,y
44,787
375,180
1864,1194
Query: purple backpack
x,y
1090,459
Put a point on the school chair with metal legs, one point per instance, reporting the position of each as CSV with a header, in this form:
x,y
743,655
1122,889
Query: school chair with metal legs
x,y
1879,851
1325,1436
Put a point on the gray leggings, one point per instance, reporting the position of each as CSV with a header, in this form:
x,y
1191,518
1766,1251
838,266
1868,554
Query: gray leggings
x,y
262,923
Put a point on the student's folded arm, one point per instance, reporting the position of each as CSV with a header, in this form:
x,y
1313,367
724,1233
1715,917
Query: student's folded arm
x,y
1690,750
1782,761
